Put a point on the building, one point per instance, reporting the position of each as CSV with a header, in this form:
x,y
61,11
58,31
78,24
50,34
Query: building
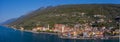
x,y
99,34
59,27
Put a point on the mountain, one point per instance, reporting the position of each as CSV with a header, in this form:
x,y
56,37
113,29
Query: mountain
x,y
8,21
69,14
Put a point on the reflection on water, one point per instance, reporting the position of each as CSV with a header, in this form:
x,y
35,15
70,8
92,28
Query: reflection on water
x,y
11,35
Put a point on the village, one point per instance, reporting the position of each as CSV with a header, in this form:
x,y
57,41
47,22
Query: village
x,y
78,31
86,30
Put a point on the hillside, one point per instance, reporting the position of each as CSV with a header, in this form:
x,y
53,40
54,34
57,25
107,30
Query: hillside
x,y
70,15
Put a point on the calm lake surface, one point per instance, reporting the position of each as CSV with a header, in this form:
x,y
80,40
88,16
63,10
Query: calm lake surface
x,y
11,35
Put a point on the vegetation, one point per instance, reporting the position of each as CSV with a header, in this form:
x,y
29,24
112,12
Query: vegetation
x,y
69,14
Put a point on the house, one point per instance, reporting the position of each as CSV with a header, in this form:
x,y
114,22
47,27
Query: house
x,y
99,34
21,28
59,27
85,34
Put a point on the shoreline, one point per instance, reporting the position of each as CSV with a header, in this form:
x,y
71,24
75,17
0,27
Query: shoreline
x,y
59,36
111,37
36,32
87,38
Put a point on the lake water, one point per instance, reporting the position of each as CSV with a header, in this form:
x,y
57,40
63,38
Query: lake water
x,y
11,35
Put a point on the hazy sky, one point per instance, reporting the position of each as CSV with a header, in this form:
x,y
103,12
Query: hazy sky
x,y
15,8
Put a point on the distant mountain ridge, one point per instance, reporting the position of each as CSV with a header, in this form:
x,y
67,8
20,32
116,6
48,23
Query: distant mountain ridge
x,y
68,14
8,21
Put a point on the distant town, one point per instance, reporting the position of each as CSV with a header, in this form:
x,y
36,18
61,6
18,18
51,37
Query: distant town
x,y
79,31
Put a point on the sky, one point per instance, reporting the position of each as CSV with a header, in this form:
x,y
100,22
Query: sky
x,y
16,8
